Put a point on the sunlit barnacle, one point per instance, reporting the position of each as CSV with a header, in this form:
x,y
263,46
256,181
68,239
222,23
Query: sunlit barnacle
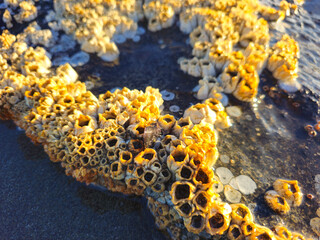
x,y
181,124
177,158
196,222
166,122
240,213
181,191
262,233
283,232
247,228
218,218
290,190
277,202
234,232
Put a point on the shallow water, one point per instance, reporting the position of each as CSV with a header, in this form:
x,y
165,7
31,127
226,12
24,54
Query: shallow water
x,y
37,201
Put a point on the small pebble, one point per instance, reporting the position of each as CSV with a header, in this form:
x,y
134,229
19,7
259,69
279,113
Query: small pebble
x,y
233,183
79,59
224,174
231,194
141,31
248,117
315,225
174,108
224,158
136,38
246,184
233,111
167,96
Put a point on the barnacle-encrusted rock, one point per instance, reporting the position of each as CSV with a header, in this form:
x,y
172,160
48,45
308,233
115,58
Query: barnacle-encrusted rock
x,y
120,140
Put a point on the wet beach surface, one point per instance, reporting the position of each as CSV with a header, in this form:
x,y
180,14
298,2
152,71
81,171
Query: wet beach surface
x,y
38,201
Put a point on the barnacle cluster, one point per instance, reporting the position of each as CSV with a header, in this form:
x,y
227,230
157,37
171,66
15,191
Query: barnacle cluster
x,y
286,193
283,63
121,140
27,11
231,42
230,39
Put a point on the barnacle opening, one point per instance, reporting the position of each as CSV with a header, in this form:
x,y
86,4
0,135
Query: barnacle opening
x,y
216,221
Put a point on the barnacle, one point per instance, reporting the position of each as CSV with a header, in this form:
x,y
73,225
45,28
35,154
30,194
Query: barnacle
x,y
276,202
290,190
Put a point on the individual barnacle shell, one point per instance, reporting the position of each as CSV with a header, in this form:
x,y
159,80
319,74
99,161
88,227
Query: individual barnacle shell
x,y
162,222
139,171
198,34
158,187
130,169
155,166
234,232
203,177
181,124
283,232
196,222
247,228
185,173
247,87
202,200
146,156
166,142
91,151
194,68
199,112
290,190
297,236
200,49
154,24
214,104
261,233
112,155
230,77
162,210
184,64
84,124
125,157
185,208
162,155
94,161
109,51
240,213
166,122
132,182
84,160
177,158
113,143
276,202
107,119
149,177
188,21
207,68
164,175
67,73
181,191
123,118
116,171
218,218
135,146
